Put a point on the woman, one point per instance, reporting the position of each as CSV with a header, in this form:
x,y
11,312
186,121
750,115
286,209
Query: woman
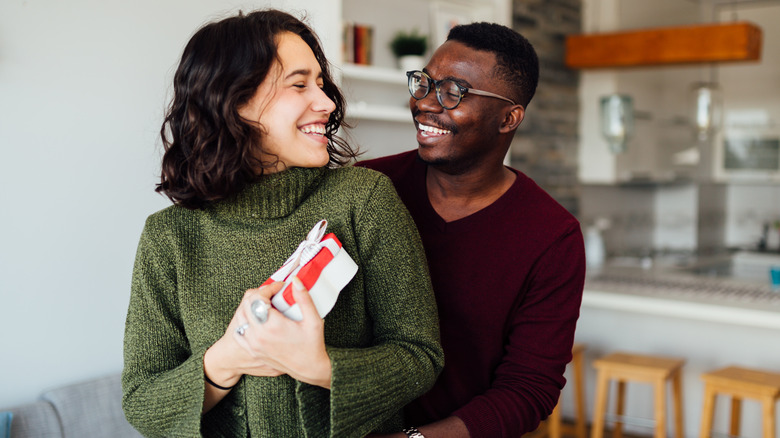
x,y
252,164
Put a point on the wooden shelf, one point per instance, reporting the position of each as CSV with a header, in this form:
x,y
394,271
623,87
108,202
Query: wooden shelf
x,y
373,74
728,42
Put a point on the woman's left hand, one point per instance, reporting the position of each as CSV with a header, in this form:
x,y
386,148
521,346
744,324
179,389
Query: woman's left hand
x,y
296,348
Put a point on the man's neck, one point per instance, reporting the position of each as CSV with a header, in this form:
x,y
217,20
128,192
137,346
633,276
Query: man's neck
x,y
457,196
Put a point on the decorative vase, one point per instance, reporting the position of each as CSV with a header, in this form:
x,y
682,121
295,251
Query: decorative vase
x,y
411,62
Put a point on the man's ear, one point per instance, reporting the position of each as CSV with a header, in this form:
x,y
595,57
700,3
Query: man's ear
x,y
512,119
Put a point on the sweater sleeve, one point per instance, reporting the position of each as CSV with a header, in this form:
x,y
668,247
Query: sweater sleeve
x,y
370,385
162,379
527,382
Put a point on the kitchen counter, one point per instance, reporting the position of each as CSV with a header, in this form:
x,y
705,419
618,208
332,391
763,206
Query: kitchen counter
x,y
711,322
668,292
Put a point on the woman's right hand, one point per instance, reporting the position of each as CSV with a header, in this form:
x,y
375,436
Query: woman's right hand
x,y
226,361
296,348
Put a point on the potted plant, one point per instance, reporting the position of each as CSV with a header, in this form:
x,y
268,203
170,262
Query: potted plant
x,y
409,48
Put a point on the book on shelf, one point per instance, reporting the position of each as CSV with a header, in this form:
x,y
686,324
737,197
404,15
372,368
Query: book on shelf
x,y
357,43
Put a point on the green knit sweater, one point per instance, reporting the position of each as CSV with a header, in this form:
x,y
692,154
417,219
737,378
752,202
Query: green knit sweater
x,y
193,266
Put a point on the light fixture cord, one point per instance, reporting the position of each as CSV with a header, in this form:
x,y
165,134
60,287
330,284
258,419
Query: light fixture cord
x,y
734,15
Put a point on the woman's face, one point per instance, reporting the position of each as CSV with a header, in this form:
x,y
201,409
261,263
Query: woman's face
x,y
292,108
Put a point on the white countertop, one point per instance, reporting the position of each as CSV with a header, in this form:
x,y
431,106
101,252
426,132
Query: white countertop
x,y
665,293
664,306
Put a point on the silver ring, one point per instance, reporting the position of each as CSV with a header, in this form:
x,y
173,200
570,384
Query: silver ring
x,y
260,310
242,329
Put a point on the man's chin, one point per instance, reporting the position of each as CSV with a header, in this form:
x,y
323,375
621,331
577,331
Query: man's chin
x,y
446,164
431,161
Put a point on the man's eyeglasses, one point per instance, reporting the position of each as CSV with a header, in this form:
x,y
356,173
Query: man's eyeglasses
x,y
449,93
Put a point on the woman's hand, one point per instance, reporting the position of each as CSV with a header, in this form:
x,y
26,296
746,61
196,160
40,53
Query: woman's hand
x,y
271,348
227,360
296,348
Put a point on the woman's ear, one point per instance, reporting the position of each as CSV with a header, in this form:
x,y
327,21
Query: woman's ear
x,y
512,119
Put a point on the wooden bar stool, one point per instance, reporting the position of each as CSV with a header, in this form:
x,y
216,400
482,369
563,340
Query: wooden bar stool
x,y
625,367
740,383
553,426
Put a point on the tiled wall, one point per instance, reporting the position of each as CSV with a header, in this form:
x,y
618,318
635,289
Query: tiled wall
x,y
630,214
749,207
675,215
545,147
685,217
642,218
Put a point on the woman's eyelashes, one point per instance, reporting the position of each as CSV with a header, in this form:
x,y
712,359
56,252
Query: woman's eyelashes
x,y
303,85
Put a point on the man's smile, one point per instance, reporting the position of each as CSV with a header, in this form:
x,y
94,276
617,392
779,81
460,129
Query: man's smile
x,y
431,131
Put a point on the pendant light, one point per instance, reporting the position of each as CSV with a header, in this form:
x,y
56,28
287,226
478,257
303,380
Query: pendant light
x,y
617,121
706,98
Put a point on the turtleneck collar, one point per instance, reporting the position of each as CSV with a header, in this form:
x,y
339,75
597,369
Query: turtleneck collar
x,y
274,195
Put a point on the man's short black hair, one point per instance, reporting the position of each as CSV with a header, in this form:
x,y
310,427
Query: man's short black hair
x,y
517,63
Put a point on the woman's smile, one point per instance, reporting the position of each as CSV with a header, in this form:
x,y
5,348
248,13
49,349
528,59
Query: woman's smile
x,y
315,131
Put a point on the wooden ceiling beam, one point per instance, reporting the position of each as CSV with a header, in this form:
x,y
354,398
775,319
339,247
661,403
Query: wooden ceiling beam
x,y
708,43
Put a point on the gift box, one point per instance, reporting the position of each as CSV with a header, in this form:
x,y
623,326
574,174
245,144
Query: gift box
x,y
323,266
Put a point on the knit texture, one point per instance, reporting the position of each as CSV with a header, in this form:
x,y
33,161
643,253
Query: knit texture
x,y
193,267
508,281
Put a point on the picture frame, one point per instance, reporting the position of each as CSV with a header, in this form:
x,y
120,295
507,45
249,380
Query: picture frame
x,y
446,15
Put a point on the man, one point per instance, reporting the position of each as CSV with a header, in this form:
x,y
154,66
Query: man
x,y
506,260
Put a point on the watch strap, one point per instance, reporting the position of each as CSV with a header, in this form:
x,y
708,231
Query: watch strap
x,y
412,432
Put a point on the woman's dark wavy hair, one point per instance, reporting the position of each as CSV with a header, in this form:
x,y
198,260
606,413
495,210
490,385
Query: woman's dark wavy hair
x,y
516,60
211,153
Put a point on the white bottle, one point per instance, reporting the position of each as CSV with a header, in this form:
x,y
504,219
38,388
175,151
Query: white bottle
x,y
594,249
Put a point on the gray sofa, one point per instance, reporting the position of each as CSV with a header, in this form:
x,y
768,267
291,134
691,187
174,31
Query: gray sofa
x,y
91,409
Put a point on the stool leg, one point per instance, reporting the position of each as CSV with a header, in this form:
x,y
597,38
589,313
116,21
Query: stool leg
x,y
554,422
736,416
619,408
660,408
768,408
677,395
579,396
708,411
600,408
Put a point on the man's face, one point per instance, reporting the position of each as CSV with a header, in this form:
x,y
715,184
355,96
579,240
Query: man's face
x,y
457,139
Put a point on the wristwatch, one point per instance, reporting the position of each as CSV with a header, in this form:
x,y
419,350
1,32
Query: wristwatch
x,y
412,432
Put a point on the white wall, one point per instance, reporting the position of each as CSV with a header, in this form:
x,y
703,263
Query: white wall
x,y
83,85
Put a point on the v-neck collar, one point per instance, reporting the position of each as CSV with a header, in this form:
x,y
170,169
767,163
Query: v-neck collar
x,y
465,223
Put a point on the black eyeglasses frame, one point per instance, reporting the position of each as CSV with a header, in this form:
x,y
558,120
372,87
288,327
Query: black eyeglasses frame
x,y
437,85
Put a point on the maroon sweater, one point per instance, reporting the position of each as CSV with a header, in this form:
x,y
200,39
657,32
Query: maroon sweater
x,y
508,281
